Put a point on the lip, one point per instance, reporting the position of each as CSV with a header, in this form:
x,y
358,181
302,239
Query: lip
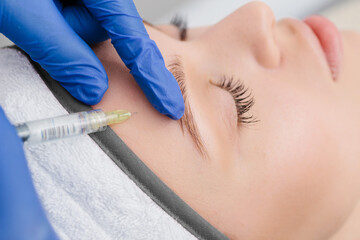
x,y
330,41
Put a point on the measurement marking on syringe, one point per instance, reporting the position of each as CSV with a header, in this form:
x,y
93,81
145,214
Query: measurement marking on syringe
x,y
69,125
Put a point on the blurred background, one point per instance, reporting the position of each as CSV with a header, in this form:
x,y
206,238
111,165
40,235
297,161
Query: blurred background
x,y
345,13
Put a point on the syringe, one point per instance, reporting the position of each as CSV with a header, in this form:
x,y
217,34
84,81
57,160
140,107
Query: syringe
x,y
69,125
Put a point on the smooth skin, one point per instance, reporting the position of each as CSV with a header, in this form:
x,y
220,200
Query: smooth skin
x,y
292,175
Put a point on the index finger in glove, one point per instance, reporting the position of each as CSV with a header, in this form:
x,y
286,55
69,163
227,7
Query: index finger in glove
x,y
41,31
139,53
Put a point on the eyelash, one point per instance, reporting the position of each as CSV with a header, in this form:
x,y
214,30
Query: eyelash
x,y
243,98
181,23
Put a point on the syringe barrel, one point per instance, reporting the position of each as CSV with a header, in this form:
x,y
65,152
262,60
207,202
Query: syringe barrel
x,y
62,127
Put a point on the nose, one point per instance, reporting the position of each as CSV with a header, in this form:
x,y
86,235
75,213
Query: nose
x,y
261,37
250,29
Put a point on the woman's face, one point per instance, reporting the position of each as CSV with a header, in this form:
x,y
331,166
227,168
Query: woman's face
x,y
280,162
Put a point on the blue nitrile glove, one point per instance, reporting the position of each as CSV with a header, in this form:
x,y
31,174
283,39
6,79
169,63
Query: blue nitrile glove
x,y
21,214
40,28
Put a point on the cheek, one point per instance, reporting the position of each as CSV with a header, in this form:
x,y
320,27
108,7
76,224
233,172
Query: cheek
x,y
301,157
296,168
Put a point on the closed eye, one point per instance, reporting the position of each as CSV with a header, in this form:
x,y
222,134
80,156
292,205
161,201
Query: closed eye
x,y
181,23
242,96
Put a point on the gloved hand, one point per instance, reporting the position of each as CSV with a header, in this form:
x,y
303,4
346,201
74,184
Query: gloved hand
x,y
40,28
21,214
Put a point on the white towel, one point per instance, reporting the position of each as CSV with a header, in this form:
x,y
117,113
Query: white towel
x,y
85,195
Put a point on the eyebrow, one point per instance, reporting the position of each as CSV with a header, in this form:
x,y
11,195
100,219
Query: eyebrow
x,y
147,23
176,67
153,26
183,30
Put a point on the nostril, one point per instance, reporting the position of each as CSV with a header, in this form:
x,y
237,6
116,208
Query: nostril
x,y
266,52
